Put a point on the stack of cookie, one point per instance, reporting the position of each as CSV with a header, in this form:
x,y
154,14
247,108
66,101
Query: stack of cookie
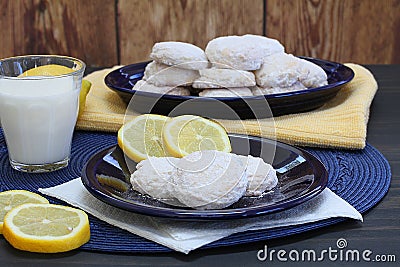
x,y
233,59
174,67
230,66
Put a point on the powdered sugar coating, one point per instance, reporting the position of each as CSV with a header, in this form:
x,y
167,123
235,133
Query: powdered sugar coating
x,y
179,54
224,78
245,52
144,86
284,71
231,92
256,90
209,180
153,177
261,176
163,75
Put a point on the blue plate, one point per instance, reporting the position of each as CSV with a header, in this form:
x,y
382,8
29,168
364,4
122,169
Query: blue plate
x,y
123,79
301,177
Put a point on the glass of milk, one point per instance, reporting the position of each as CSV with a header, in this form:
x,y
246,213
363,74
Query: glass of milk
x,y
38,113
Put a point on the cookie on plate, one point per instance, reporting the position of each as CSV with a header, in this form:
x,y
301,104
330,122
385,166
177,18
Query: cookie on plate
x,y
222,78
225,92
261,176
163,75
179,54
144,86
285,71
256,90
153,177
245,52
209,179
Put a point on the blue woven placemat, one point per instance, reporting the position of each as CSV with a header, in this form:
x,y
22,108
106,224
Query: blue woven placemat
x,y
361,177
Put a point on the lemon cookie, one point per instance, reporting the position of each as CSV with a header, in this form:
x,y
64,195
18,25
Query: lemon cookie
x,y
261,176
256,90
153,177
245,52
179,54
222,78
223,92
144,86
209,179
285,71
163,75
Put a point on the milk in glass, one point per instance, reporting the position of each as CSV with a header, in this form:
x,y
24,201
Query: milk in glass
x,y
38,115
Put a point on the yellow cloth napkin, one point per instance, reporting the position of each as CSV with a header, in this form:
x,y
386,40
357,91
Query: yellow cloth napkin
x,y
340,123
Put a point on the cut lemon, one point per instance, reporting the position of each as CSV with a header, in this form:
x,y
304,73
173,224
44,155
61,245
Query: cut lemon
x,y
112,182
46,228
186,134
141,137
47,70
13,198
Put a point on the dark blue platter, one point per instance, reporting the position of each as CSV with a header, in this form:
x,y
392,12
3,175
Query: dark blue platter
x,y
123,79
301,177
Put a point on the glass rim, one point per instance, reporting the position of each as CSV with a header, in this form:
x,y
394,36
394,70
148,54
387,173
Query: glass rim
x,y
79,71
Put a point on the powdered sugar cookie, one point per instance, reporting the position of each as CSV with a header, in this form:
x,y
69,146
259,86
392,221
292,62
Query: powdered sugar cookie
x,y
245,52
261,176
209,179
285,71
222,92
153,177
256,90
312,75
144,86
163,75
222,78
179,54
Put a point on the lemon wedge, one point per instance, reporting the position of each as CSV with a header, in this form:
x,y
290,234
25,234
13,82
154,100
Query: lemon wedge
x,y
188,133
13,198
142,137
46,228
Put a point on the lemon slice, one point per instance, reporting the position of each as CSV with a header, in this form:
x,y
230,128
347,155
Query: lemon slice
x,y
186,134
112,182
46,228
142,137
13,198
47,70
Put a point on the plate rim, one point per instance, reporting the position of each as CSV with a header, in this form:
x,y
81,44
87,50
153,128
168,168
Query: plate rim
x,y
115,88
197,215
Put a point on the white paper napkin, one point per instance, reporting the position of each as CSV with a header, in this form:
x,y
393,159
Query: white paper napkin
x,y
185,236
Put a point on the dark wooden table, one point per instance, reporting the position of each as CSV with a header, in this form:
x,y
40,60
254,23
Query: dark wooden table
x,y
379,233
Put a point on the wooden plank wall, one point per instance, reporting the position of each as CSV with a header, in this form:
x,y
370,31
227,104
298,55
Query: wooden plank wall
x,y
106,33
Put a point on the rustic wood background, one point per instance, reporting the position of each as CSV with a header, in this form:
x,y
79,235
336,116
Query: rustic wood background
x,y
106,33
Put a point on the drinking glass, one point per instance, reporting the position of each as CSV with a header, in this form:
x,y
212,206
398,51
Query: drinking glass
x,y
38,113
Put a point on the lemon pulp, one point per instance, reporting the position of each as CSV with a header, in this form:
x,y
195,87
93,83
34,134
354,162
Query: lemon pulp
x,y
188,133
142,137
13,198
46,228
